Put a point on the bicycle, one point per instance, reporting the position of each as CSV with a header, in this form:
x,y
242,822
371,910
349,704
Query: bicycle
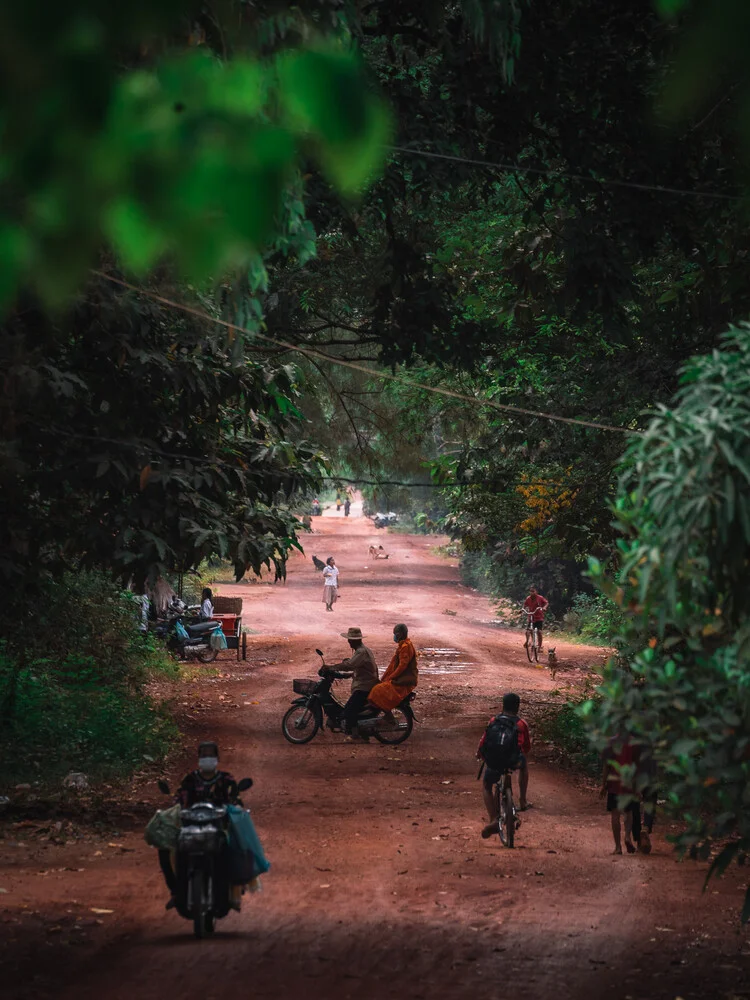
x,y
532,637
507,817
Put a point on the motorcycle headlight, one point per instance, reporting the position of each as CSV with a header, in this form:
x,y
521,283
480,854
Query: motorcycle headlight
x,y
200,839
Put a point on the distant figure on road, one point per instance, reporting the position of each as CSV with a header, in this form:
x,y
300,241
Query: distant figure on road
x,y
338,502
536,605
347,507
402,674
330,583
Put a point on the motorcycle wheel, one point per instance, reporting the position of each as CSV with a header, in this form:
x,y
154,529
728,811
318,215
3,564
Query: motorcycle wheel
x,y
202,921
390,734
208,655
300,724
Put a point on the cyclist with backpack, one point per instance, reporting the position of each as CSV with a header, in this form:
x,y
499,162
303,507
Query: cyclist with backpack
x,y
503,747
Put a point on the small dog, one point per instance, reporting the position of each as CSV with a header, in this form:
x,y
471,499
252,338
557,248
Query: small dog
x,y
377,552
552,661
319,565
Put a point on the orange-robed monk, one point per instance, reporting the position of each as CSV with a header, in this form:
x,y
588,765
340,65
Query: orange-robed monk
x,y
400,678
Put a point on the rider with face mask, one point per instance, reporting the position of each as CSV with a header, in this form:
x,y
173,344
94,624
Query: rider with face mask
x,y
206,784
400,678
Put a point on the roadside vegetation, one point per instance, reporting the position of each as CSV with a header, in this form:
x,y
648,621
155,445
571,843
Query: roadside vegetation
x,y
75,688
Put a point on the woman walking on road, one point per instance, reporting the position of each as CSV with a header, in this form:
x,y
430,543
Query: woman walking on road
x,y
330,583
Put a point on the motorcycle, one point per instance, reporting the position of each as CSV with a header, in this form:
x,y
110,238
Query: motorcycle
x,y
385,520
197,639
202,863
317,708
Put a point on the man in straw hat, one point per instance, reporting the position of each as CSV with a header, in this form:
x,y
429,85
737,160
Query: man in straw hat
x,y
363,670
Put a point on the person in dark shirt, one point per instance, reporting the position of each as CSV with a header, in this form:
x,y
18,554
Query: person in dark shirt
x,y
206,784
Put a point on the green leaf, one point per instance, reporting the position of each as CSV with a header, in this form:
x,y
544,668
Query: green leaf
x,y
325,100
671,8
138,241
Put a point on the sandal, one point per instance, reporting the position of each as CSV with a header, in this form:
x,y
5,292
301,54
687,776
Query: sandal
x,y
629,847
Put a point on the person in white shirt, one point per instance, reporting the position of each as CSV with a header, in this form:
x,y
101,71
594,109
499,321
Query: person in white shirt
x,y
207,604
330,583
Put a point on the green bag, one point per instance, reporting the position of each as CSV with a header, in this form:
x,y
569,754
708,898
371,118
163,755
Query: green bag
x,y
163,829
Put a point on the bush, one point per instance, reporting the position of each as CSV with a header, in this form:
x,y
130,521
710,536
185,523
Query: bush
x,y
508,573
595,618
565,729
72,686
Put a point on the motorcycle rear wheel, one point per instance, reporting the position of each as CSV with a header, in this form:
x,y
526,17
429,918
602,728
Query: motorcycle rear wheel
x,y
301,724
392,734
208,655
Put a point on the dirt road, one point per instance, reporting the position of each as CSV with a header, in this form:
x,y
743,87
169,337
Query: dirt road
x,y
381,886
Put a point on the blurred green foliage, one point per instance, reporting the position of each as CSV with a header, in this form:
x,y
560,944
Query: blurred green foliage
x,y
114,130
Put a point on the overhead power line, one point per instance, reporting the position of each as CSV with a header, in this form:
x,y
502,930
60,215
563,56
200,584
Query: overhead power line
x,y
554,172
313,352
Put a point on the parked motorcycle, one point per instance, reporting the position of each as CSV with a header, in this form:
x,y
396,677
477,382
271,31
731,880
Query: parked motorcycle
x,y
196,640
202,868
385,520
317,708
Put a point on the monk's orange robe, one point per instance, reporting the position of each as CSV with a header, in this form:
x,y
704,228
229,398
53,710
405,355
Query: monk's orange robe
x,y
399,679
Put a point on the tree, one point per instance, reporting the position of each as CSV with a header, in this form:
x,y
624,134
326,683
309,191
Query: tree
x,y
679,686
139,444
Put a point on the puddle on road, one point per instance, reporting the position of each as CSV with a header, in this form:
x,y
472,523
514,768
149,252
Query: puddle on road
x,y
442,660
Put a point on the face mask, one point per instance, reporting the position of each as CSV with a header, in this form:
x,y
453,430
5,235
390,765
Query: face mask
x,y
208,764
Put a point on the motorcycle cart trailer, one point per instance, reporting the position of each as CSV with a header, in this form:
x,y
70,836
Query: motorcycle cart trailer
x,y
228,611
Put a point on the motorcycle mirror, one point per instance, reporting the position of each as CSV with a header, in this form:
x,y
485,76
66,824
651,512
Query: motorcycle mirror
x,y
244,784
319,652
163,786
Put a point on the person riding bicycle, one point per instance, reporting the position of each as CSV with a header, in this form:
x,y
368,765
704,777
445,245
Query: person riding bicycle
x,y
535,605
503,747
363,670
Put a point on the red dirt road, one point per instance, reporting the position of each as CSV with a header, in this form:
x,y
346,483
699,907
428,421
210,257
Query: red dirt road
x,y
381,885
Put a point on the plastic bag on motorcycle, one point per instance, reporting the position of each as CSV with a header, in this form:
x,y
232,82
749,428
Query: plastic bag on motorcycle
x,y
163,829
246,858
218,640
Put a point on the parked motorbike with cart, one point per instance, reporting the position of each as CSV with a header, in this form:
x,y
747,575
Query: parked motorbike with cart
x,y
316,708
184,637
211,859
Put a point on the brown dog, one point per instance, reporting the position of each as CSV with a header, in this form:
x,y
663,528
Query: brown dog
x,y
377,552
552,661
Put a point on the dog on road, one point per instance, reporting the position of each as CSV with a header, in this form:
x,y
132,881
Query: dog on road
x,y
377,552
319,565
552,661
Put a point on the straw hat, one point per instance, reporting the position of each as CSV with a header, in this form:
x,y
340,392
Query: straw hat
x,y
353,633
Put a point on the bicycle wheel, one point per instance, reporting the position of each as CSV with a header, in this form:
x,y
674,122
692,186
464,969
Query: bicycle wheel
x,y
300,724
510,817
529,640
535,645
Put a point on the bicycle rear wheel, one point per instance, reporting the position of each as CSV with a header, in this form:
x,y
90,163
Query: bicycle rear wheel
x,y
508,818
